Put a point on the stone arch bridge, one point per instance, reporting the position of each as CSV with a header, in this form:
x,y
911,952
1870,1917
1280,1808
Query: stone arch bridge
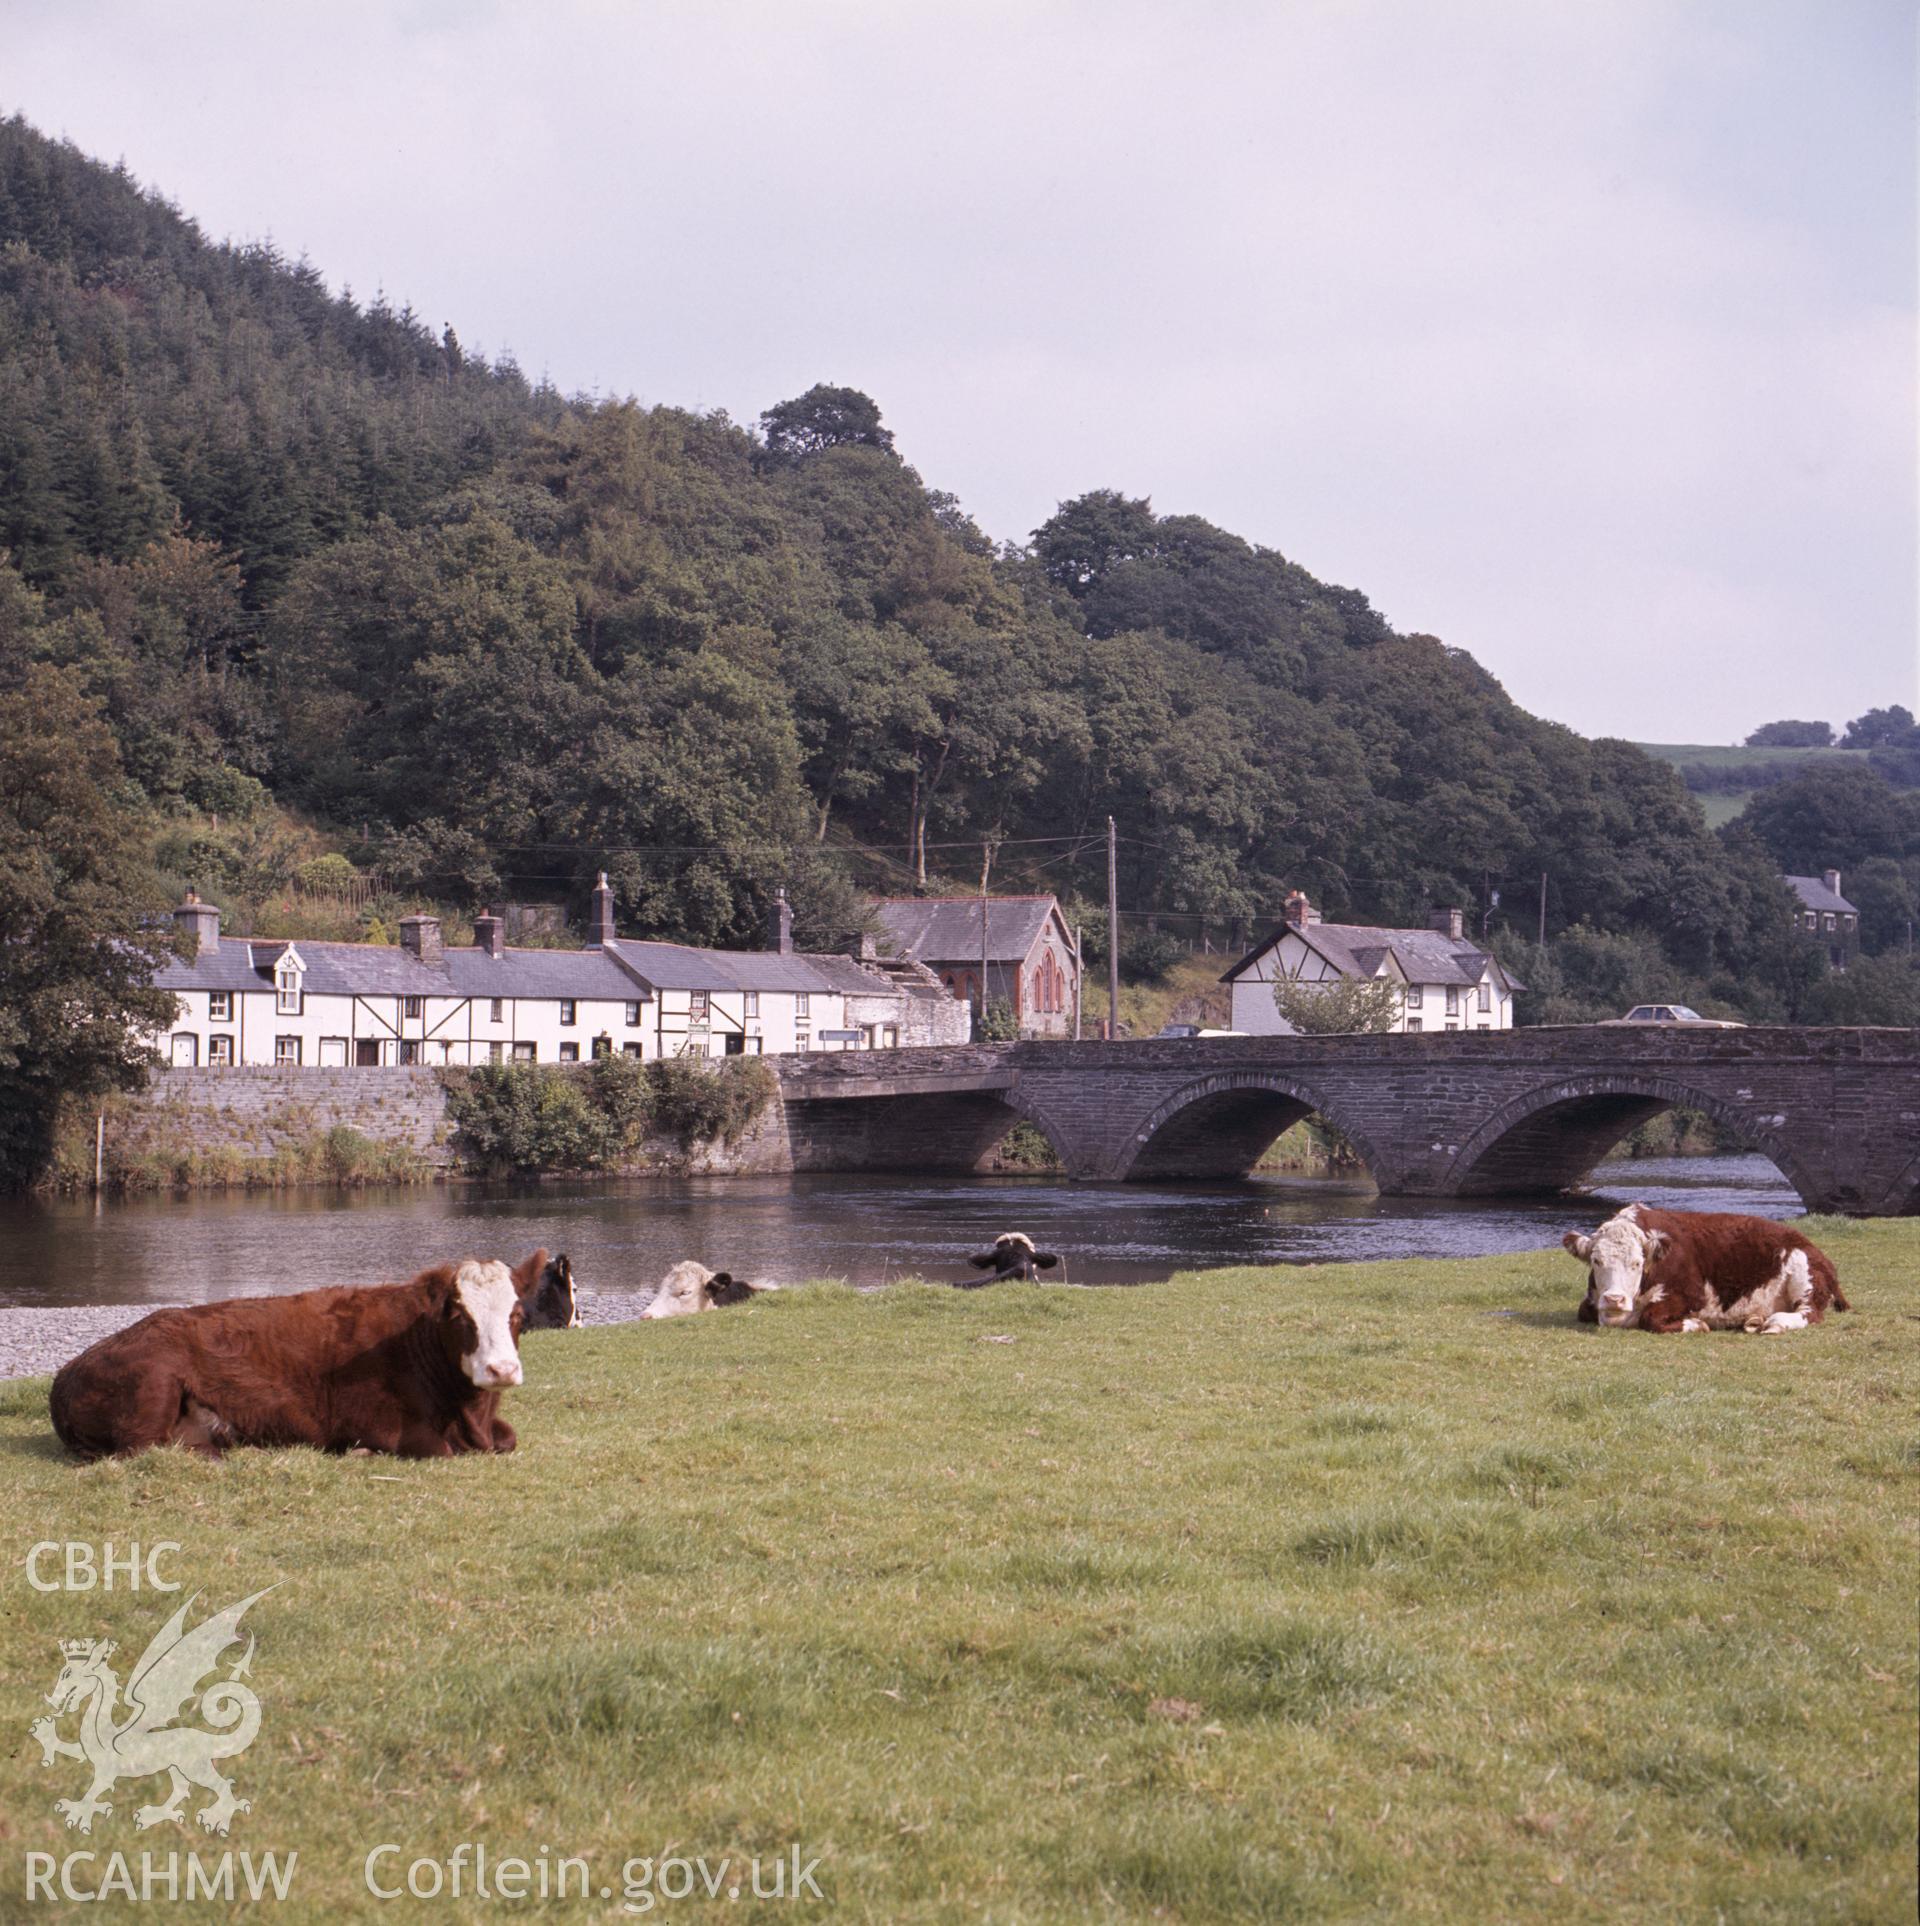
x,y
1460,1113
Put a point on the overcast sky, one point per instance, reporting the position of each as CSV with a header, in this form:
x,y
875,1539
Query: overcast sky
x,y
1579,335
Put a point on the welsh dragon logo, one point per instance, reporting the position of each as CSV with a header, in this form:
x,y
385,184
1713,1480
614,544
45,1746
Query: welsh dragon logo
x,y
148,1738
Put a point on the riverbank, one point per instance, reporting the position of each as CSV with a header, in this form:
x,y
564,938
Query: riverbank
x,y
1252,1594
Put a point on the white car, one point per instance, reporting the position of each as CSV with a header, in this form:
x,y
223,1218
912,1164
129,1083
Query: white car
x,y
1673,1013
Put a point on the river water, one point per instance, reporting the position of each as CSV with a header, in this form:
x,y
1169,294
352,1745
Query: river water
x,y
866,1229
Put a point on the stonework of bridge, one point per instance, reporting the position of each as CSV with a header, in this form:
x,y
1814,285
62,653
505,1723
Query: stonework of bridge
x,y
1441,1114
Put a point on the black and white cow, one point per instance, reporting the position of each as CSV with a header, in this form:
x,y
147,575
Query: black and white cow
x,y
1013,1260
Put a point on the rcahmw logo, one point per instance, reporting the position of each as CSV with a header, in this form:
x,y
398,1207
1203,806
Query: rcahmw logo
x,y
166,1720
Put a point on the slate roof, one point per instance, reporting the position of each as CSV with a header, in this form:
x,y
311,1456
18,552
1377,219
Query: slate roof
x,y
1815,895
1358,949
618,974
946,929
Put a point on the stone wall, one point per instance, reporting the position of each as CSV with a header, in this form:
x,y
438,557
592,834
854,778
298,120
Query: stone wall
x,y
257,1112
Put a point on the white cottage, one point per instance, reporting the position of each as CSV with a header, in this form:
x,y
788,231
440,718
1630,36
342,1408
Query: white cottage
x,y
1443,980
243,1000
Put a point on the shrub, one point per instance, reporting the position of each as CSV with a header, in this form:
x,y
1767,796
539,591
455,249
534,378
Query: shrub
x,y
328,875
526,1117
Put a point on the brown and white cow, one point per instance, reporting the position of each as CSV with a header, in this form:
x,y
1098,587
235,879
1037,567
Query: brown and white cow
x,y
1669,1270
1013,1260
691,1287
545,1289
414,1368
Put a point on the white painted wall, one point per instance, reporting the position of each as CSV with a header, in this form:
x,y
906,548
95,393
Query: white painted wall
x,y
1423,1006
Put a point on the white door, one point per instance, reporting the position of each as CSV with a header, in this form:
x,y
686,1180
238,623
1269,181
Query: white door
x,y
186,1052
333,1053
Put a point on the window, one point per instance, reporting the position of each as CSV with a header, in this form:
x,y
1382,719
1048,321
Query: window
x,y
220,1007
633,1016
603,1045
219,1049
410,1050
1453,1026
631,1049
286,1049
286,985
753,1004
415,1007
801,1011
498,1012
525,1052
569,1053
1415,995
1829,919
496,1053
1453,1002
1813,919
697,1006
1486,996
1415,1023
566,1010
803,1042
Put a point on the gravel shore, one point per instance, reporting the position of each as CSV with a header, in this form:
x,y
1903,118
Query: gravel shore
x,y
36,1342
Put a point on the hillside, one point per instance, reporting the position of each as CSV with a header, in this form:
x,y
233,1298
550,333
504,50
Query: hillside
x,y
335,583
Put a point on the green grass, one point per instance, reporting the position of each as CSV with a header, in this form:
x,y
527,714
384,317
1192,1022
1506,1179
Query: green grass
x,y
1374,1592
1719,755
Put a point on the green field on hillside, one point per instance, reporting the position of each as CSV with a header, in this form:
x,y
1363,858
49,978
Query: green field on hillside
x,y
1371,1591
1720,755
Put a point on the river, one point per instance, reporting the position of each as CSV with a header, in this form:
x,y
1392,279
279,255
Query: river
x,y
866,1229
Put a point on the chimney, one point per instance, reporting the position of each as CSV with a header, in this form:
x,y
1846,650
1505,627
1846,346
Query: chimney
x,y
1449,922
600,931
780,923
1833,881
869,947
420,938
199,920
490,932
1299,912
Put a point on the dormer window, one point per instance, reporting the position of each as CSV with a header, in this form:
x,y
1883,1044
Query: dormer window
x,y
287,974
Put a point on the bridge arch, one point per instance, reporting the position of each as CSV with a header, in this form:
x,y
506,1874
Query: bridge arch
x,y
1551,1136
949,1131
1221,1125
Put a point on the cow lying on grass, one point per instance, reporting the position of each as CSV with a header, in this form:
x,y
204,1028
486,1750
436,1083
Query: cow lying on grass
x,y
1013,1260
545,1286
691,1287
1665,1270
416,1369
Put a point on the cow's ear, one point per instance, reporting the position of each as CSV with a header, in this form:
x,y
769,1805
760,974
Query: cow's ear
x,y
1045,1260
986,1261
563,1268
1581,1247
526,1277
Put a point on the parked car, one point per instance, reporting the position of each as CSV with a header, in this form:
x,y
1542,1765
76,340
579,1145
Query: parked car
x,y
1673,1013
1179,1030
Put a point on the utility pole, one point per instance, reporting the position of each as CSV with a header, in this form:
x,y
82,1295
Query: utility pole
x,y
986,868
1080,971
1113,930
1543,909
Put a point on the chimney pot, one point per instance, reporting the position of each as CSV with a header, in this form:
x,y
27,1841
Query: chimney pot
x,y
1299,912
490,932
780,923
420,938
1833,881
1449,922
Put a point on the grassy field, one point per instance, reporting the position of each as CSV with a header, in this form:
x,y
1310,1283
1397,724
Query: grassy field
x,y
1374,1592
1720,755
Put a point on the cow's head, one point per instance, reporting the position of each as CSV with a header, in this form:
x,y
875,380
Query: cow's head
x,y
1618,1257
545,1288
692,1287
482,1316
1013,1256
